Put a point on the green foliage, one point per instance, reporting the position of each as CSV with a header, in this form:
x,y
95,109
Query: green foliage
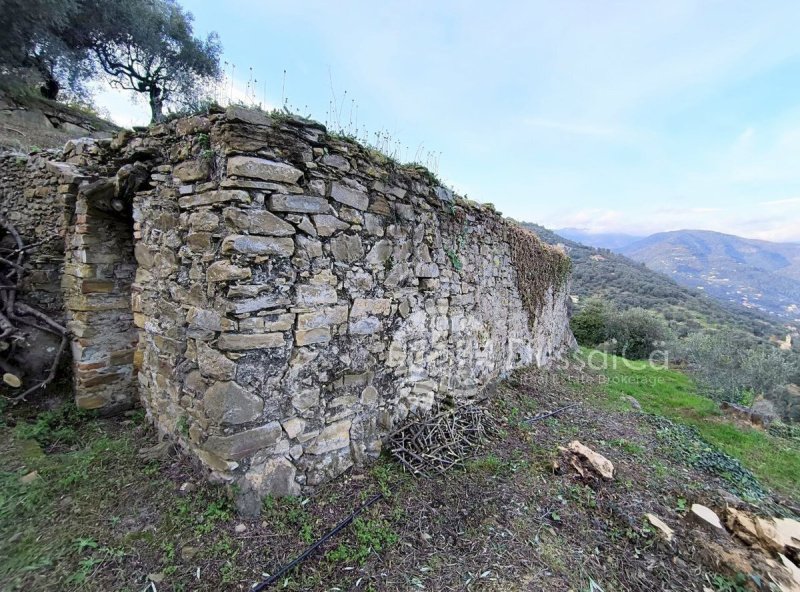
x,y
146,46
636,333
57,426
217,511
686,444
149,47
538,266
673,395
454,259
723,584
372,536
38,44
590,324
731,371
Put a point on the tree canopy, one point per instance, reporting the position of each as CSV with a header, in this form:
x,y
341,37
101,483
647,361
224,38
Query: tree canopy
x,y
146,46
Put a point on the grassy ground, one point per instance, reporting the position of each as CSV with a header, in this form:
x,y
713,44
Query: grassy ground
x,y
82,509
672,394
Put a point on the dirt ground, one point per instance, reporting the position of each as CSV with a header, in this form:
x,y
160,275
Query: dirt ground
x,y
97,515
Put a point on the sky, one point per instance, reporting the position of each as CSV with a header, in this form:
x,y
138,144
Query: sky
x,y
611,116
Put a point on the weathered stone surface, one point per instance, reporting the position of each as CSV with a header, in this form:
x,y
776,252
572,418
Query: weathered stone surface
x,y
275,477
258,222
214,364
327,317
192,170
349,197
243,444
426,270
266,170
374,224
263,302
258,245
303,204
229,403
347,248
294,426
312,336
269,292
306,399
203,221
328,225
239,342
252,116
213,197
337,161
370,306
333,437
365,326
311,295
224,271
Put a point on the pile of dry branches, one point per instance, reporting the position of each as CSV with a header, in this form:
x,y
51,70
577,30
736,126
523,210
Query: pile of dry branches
x,y
432,443
17,319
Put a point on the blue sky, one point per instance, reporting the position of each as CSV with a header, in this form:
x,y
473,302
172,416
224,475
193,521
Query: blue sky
x,y
635,117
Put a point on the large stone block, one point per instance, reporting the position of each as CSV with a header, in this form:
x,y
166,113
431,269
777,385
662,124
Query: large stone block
x,y
192,170
327,317
258,222
275,477
314,295
258,245
240,342
229,403
333,437
349,197
302,204
213,197
347,248
266,170
244,444
225,271
312,336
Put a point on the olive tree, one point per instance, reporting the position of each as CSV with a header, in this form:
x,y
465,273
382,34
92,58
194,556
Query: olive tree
x,y
37,44
733,369
148,46
637,333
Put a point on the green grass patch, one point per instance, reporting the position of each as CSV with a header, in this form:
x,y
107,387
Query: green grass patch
x,y
672,394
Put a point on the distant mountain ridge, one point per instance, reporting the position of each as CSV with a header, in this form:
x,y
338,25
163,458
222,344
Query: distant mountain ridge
x,y
601,240
626,283
754,273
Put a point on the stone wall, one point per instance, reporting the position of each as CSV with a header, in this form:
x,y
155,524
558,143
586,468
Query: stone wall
x,y
282,298
30,200
299,296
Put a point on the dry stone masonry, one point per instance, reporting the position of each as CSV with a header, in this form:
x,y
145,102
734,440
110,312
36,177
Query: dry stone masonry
x,y
280,299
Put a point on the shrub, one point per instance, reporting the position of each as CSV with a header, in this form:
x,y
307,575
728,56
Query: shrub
x,y
732,369
637,333
589,324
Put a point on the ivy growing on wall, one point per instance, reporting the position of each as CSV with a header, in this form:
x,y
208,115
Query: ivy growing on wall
x,y
538,267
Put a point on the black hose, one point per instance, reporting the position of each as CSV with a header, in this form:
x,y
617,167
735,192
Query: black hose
x,y
305,554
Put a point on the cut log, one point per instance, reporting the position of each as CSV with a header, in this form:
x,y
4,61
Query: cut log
x,y
598,462
706,517
12,380
665,531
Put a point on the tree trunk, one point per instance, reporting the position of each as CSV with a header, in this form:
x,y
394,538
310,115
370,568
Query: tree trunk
x,y
50,88
156,105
